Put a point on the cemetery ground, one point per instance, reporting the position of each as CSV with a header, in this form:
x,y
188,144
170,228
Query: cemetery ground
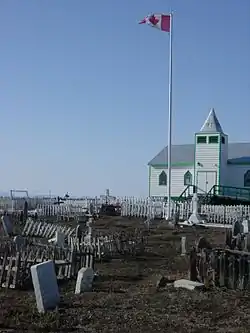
x,y
125,295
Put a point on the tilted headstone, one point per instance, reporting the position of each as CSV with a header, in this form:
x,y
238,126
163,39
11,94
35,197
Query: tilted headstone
x,y
7,225
84,280
45,286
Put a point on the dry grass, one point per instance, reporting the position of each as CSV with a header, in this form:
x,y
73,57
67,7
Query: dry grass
x,y
125,297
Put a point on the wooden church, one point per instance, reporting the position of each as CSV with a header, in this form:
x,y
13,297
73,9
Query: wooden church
x,y
211,162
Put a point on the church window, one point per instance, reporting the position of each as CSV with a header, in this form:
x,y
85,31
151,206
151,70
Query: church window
x,y
213,139
188,178
201,139
163,178
247,179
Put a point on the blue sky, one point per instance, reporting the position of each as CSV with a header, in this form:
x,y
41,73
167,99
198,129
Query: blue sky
x,y
84,88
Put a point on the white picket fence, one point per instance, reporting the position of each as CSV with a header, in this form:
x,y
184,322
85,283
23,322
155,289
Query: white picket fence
x,y
47,206
72,207
148,208
63,210
151,209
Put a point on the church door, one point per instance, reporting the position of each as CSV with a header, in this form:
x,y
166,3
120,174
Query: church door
x,y
205,181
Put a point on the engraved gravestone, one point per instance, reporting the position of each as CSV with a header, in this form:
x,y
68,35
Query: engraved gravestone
x,y
45,286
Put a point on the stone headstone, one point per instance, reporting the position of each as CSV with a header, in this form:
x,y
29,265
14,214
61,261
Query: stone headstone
x,y
7,225
84,280
20,242
45,286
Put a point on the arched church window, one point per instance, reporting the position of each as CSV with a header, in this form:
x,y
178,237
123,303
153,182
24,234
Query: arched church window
x,y
247,179
188,178
162,178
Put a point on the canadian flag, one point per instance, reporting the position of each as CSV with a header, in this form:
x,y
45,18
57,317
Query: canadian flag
x,y
159,21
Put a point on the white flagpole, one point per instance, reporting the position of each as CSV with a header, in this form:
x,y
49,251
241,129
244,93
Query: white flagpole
x,y
170,118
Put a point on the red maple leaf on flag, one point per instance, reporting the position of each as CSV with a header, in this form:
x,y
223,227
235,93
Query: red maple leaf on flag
x,y
153,20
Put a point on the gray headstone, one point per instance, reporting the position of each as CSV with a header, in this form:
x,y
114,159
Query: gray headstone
x,y
7,225
45,286
84,280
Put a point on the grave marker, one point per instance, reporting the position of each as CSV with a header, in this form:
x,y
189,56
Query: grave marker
x,y
84,280
45,286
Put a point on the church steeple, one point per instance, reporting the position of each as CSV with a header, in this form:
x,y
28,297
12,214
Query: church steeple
x,y
212,124
211,154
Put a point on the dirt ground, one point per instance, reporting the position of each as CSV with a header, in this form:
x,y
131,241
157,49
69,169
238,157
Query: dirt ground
x,y
125,297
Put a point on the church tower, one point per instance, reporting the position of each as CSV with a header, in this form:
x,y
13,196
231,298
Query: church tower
x,y
211,155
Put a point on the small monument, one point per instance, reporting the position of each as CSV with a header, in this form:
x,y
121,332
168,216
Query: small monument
x,y
195,217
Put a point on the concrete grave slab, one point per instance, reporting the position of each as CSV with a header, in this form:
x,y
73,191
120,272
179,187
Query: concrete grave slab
x,y
187,284
45,286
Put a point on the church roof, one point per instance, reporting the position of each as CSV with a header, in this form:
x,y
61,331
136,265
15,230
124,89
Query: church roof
x,y
238,153
211,124
184,154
